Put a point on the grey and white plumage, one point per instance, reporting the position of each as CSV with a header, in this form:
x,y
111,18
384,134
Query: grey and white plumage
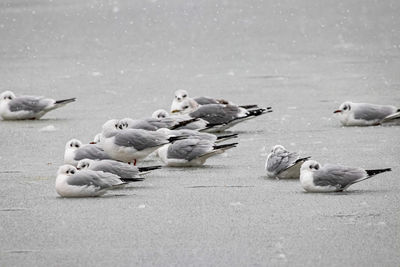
x,y
76,151
123,170
130,145
219,117
332,178
283,164
27,107
181,95
153,124
194,124
365,114
191,152
198,135
87,183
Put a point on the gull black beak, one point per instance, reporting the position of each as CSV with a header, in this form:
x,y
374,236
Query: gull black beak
x,y
337,111
175,111
92,143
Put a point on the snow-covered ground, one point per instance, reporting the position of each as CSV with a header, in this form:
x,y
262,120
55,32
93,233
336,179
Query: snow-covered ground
x,y
126,59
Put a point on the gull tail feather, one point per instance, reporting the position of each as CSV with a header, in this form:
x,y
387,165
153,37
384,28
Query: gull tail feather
x,y
64,101
149,168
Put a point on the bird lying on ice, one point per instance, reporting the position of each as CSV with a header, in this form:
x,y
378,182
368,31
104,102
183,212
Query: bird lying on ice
x,y
283,164
131,145
219,117
76,151
87,183
27,107
332,178
191,152
121,169
181,95
364,114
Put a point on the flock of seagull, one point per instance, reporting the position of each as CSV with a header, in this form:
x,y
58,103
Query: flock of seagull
x,y
190,135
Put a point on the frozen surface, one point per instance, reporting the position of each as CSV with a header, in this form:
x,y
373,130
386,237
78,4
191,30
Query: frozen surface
x,y
126,58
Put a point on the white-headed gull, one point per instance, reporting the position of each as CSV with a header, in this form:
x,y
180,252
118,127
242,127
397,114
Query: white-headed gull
x,y
76,151
27,107
220,117
181,95
283,164
73,183
131,145
191,152
364,114
121,169
332,178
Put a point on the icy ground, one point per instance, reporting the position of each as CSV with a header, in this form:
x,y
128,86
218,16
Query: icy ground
x,y
126,58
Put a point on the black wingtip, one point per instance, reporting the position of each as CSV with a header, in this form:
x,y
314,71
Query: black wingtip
x,y
248,106
302,159
235,135
132,180
65,100
183,123
377,171
176,138
149,168
258,112
225,146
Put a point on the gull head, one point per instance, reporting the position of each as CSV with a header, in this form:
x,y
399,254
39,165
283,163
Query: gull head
x,y
67,170
73,144
180,95
7,96
125,123
310,166
84,164
186,106
160,114
277,148
110,128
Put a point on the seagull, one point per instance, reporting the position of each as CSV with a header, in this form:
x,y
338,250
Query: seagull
x,y
130,145
364,114
121,169
219,117
196,124
152,124
282,164
181,95
27,107
190,134
87,183
332,178
75,151
191,152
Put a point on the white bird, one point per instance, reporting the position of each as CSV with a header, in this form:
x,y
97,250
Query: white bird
x,y
76,151
27,107
364,114
152,124
73,183
283,164
332,178
181,95
131,145
197,124
219,117
121,169
191,152
190,134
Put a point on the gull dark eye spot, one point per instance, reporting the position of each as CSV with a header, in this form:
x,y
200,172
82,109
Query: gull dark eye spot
x,y
185,107
184,96
77,146
71,145
72,172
